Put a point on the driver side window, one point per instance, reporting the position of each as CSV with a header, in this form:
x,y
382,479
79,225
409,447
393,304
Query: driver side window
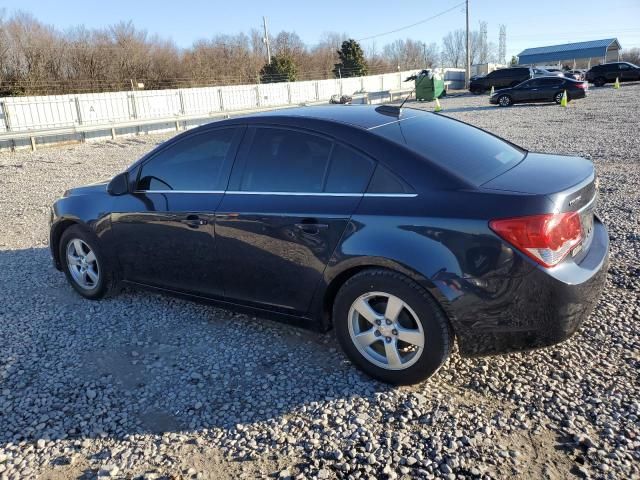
x,y
195,163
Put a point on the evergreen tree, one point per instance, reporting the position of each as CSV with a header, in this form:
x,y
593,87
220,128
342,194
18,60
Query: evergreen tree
x,y
352,62
281,69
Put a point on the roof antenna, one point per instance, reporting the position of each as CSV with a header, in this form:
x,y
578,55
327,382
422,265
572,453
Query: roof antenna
x,y
397,111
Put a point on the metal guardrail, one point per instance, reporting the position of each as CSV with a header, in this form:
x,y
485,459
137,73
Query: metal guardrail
x,y
81,128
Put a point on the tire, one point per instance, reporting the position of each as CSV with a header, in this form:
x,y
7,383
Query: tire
x,y
92,276
379,293
477,91
558,97
599,82
505,101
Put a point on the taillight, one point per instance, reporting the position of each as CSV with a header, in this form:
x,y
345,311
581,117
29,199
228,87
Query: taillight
x,y
581,85
547,239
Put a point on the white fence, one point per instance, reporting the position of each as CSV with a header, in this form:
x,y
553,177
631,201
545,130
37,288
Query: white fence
x,y
99,115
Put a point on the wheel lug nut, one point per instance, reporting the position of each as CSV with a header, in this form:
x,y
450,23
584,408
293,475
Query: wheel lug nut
x,y
377,333
378,322
394,331
388,339
388,322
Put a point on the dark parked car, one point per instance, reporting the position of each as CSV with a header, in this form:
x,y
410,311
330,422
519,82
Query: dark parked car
x,y
575,74
505,77
402,229
608,72
542,89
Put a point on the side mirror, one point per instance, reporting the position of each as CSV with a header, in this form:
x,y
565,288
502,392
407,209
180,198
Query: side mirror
x,y
119,185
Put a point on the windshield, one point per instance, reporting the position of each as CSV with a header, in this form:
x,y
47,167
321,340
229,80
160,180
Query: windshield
x,y
466,151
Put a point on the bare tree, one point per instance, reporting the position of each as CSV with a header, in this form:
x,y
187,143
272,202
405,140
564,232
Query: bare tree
x,y
36,58
453,49
631,55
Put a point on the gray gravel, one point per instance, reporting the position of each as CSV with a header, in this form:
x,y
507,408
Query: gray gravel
x,y
146,385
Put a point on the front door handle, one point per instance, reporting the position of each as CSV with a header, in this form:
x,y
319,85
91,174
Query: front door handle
x,y
194,221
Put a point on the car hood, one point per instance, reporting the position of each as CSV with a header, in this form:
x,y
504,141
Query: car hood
x,y
98,187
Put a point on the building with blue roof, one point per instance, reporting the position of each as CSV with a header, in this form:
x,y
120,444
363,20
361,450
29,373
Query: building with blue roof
x,y
594,51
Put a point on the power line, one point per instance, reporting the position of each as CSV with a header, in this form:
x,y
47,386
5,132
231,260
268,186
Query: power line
x,y
420,22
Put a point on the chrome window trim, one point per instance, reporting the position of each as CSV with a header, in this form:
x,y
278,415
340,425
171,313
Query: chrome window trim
x,y
295,194
391,195
179,191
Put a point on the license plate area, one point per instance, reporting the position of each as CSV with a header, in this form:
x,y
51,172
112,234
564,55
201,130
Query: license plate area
x,y
586,220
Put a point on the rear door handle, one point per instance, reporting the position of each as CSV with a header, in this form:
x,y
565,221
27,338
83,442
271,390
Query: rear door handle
x,y
194,221
311,226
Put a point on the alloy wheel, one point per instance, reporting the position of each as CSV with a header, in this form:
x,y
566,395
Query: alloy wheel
x,y
504,101
386,331
82,264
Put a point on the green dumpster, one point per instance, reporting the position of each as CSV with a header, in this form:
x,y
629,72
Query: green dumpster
x,y
429,88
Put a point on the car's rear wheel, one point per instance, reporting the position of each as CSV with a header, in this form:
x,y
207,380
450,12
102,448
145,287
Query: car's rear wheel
x,y
84,264
599,82
558,97
391,327
504,100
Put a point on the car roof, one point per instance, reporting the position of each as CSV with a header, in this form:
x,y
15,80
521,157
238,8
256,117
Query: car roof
x,y
363,116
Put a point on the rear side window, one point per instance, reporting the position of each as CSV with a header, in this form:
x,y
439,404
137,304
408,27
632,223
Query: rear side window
x,y
349,171
286,161
384,181
282,160
467,152
195,163
546,82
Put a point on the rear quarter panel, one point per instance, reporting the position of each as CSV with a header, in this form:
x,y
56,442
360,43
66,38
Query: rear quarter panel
x,y
442,241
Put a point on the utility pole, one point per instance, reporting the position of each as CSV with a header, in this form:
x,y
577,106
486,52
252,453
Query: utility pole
x,y
265,39
468,69
424,53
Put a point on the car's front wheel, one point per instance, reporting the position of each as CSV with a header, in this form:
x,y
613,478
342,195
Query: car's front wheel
x,y
504,100
391,327
84,264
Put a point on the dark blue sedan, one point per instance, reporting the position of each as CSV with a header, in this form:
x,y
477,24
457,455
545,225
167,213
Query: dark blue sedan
x,y
403,230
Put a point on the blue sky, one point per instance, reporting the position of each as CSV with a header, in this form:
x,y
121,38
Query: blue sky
x,y
529,23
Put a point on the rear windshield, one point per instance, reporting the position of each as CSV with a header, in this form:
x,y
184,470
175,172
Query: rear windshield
x,y
468,152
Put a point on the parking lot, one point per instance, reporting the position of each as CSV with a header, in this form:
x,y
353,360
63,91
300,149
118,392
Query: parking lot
x,y
148,385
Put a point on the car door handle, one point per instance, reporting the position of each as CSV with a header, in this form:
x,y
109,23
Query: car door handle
x,y
311,226
193,221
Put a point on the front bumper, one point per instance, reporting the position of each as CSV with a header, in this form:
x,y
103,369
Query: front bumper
x,y
542,308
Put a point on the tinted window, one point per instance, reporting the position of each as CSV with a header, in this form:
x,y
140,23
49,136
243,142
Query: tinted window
x,y
529,84
545,82
624,66
462,149
193,163
384,181
349,171
285,161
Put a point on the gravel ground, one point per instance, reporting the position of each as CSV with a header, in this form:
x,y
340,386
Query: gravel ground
x,y
146,385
